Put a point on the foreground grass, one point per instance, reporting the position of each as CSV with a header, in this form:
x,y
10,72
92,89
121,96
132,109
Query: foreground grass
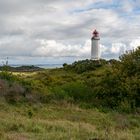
x,y
65,122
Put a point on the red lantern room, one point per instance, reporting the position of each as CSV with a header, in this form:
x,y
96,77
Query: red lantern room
x,y
95,33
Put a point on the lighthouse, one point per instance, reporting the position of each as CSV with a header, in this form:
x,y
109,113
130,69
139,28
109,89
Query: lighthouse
x,y
95,55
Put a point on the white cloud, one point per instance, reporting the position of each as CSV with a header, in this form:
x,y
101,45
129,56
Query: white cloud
x,y
127,6
52,48
118,48
135,43
63,28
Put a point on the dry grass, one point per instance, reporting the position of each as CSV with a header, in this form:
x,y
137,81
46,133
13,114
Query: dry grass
x,y
67,122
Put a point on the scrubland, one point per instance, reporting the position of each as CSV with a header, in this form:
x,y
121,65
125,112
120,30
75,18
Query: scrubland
x,y
87,100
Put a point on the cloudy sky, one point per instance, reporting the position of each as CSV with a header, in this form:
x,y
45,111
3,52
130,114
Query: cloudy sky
x,y
58,31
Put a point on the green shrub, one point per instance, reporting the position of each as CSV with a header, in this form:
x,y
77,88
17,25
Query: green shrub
x,y
8,76
70,92
84,65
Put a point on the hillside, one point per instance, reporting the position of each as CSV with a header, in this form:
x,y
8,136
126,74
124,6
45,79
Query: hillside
x,y
85,100
65,121
20,68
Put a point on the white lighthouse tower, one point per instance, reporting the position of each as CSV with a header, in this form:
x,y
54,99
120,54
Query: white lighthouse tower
x,y
95,54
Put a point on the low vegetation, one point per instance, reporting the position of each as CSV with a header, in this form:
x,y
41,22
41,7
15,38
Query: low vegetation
x,y
85,100
20,68
65,121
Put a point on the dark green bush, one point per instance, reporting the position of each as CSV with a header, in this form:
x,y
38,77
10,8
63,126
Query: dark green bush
x,y
84,65
73,91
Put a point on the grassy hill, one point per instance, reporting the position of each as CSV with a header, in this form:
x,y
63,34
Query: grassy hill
x,y
86,100
64,122
20,68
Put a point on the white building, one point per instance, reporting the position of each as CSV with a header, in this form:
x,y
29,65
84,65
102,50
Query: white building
x,y
95,50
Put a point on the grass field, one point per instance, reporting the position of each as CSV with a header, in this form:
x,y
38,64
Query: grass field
x,y
65,122
70,103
